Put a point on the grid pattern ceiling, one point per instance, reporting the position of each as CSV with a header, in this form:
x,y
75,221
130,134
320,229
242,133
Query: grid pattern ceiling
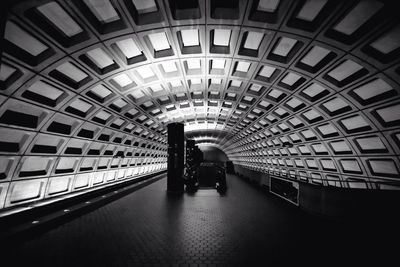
x,y
305,88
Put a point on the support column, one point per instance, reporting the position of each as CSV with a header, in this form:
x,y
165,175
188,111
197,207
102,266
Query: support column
x,y
176,148
190,159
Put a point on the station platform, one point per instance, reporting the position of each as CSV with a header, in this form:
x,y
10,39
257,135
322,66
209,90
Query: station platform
x,y
246,226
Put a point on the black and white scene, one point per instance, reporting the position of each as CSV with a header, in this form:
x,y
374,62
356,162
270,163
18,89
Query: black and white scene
x,y
199,133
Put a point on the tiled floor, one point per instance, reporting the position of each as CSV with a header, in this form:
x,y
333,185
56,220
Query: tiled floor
x,y
245,227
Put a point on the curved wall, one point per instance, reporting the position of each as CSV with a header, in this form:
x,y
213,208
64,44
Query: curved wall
x,y
306,89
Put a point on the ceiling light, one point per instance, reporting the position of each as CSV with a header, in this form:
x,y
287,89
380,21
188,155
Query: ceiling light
x,y
314,56
294,102
164,99
145,72
310,9
71,71
142,118
388,42
159,41
169,66
80,105
389,114
190,37
129,48
242,66
284,46
344,70
156,88
145,6
255,87
100,58
176,83
236,83
61,19
120,103
253,40
216,81
137,94
101,91
359,15
218,63
133,111
313,90
46,90
148,104
193,63
195,81
23,40
372,89
268,5
290,78
248,98
222,37
118,122
122,80
275,93
5,72
103,10
103,115
267,71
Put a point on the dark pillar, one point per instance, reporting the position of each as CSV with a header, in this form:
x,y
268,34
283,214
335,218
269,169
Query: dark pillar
x,y
190,144
176,148
198,155
3,20
230,167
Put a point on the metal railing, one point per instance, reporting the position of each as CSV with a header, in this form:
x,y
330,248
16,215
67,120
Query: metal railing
x,y
334,181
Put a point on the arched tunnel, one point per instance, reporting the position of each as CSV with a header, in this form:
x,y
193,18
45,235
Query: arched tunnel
x,y
298,99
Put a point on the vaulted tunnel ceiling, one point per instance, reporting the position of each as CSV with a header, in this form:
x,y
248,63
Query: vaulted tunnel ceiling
x,y
306,88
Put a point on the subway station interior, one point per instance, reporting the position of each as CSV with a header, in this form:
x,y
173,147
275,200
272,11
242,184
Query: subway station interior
x,y
199,132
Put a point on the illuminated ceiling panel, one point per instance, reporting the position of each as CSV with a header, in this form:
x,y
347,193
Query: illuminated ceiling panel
x,y
71,71
23,39
311,9
194,63
314,56
145,6
169,66
218,64
100,57
190,37
103,10
268,5
388,42
344,70
46,90
243,66
253,40
284,46
122,80
222,37
145,72
361,13
60,18
159,41
129,48
267,71
6,71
